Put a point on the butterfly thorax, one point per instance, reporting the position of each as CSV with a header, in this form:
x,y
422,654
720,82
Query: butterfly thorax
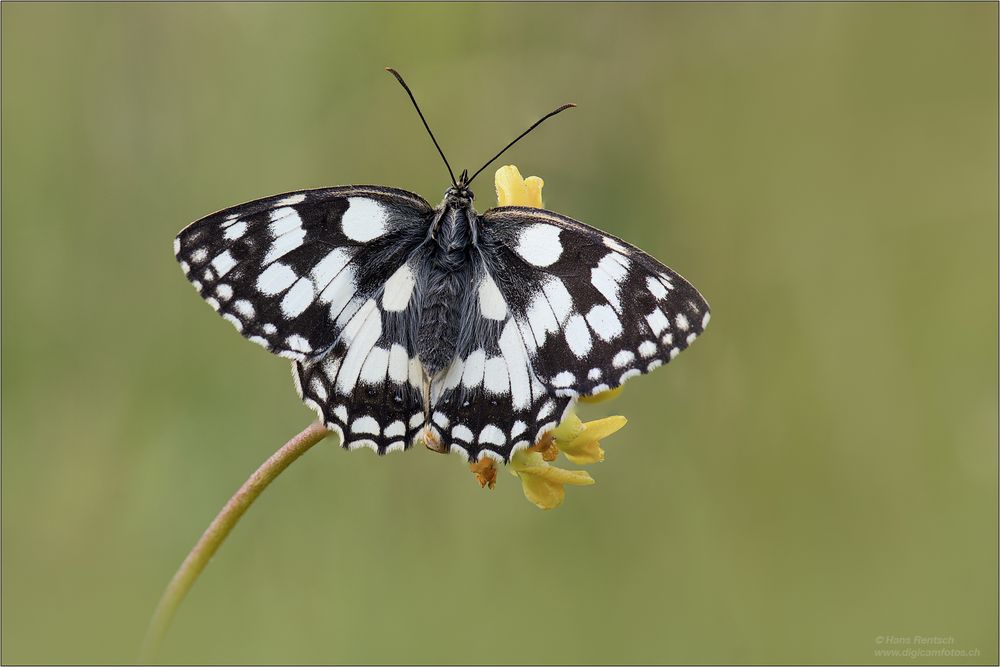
x,y
451,239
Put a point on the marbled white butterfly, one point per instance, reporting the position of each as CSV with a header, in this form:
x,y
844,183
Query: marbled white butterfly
x,y
405,322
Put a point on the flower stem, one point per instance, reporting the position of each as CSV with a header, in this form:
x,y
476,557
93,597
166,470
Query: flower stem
x,y
217,532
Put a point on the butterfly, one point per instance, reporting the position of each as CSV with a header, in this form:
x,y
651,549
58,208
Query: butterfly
x,y
471,332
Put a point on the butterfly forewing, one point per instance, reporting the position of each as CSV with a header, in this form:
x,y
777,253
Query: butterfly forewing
x,y
594,310
290,271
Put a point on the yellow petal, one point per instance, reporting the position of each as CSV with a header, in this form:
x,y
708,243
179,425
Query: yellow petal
x,y
514,190
603,396
542,483
585,446
568,428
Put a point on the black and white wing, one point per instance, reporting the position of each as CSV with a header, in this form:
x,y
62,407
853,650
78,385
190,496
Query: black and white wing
x,y
562,310
598,309
321,277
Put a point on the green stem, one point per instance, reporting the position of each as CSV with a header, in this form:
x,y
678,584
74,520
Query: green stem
x,y
217,532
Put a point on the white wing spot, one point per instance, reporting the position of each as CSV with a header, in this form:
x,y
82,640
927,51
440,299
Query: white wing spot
x,y
284,244
691,337
705,319
275,279
647,348
656,287
462,433
365,219
547,409
398,361
441,419
365,424
518,428
297,299
668,339
232,319
563,379
681,321
475,365
614,245
361,334
629,374
491,302
327,268
199,255
578,336
495,379
615,265
655,363
268,328
657,321
358,444
245,308
594,374
674,351
491,435
541,318
622,359
298,343
559,298
236,231
539,244
223,263
607,286
398,289
395,429
224,291
374,369
284,220
291,200
317,388
339,292
340,412
516,358
604,322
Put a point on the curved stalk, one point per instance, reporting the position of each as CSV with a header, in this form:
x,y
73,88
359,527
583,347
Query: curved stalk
x,y
217,532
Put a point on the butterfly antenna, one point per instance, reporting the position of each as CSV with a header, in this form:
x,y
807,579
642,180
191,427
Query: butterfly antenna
x,y
521,136
420,113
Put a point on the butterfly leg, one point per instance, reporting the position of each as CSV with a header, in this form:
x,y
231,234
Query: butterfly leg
x,y
430,438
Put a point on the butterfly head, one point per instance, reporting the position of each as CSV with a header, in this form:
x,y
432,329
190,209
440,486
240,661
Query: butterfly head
x,y
459,193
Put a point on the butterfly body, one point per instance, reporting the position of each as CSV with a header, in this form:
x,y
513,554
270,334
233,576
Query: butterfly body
x,y
446,272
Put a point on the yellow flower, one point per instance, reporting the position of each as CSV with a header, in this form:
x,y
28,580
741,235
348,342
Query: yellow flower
x,y
580,442
543,483
512,190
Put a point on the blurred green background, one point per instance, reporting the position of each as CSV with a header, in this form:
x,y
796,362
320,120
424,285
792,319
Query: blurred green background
x,y
818,472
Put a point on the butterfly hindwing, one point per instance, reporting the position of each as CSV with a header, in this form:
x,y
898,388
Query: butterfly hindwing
x,y
593,309
489,401
291,271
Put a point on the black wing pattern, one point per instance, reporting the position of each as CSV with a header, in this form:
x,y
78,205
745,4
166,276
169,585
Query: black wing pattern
x,y
320,277
561,310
